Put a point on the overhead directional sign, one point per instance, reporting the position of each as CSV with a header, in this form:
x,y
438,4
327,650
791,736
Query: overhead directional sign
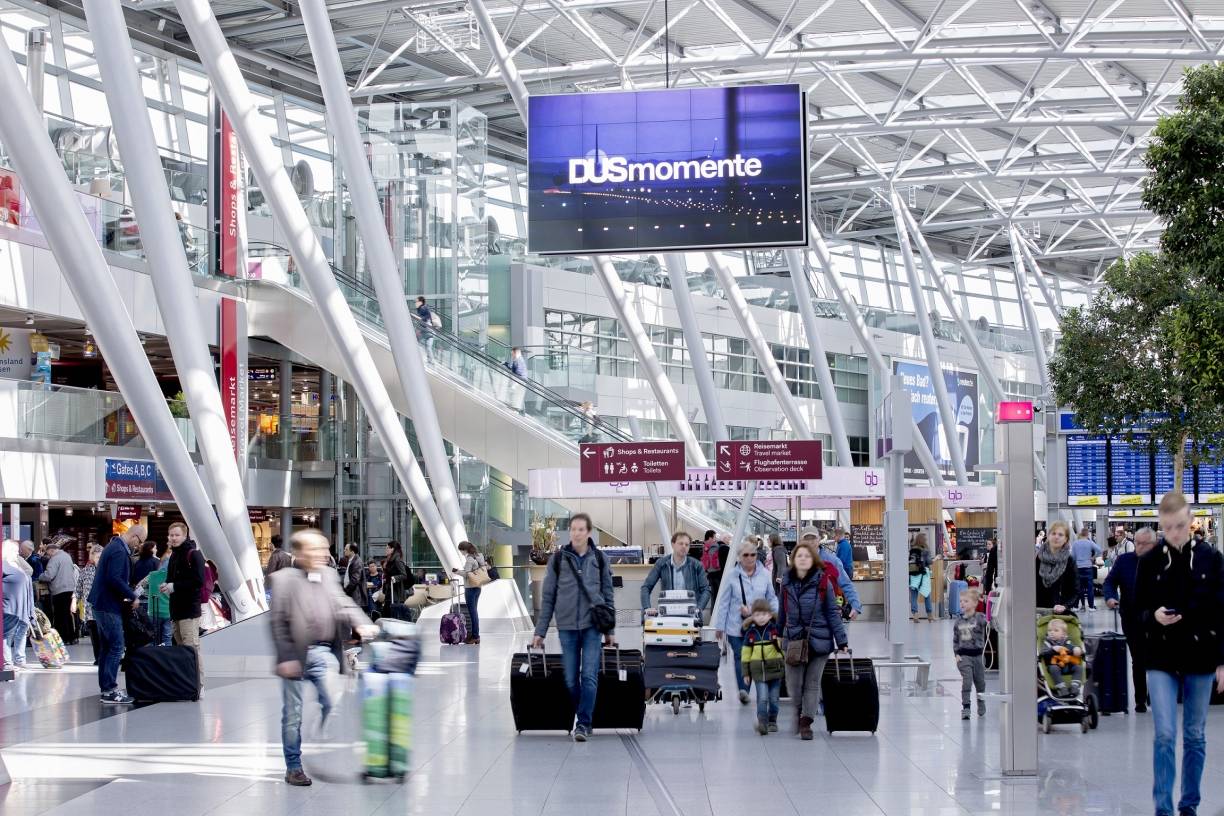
x,y
632,461
769,459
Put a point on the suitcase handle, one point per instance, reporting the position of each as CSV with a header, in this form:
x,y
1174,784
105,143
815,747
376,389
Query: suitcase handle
x,y
673,676
603,659
837,662
693,655
543,661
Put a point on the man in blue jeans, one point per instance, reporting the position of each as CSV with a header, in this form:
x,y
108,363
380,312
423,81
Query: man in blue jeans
x,y
577,577
110,596
1178,593
1084,550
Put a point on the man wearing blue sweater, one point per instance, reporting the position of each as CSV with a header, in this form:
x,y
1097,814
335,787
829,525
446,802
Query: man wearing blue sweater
x,y
1120,594
845,550
110,594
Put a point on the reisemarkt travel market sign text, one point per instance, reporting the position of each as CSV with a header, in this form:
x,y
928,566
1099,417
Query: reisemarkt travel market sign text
x,y
635,171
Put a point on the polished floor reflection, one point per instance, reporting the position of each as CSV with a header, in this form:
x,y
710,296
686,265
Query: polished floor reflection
x,y
68,754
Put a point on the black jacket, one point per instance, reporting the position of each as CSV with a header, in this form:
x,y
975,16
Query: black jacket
x,y
186,572
1063,592
1120,586
1191,583
992,569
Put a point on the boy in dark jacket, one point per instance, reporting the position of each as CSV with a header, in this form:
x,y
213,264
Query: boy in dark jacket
x,y
1180,600
761,657
969,646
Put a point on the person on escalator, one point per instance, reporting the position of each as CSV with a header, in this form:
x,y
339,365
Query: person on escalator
x,y
430,323
517,363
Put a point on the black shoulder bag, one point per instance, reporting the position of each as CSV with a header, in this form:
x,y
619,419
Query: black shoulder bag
x,y
602,615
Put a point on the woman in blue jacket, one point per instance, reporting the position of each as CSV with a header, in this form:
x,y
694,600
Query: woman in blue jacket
x,y
809,610
742,584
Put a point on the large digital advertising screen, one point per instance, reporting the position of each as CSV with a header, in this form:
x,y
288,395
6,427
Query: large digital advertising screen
x,y
639,171
963,393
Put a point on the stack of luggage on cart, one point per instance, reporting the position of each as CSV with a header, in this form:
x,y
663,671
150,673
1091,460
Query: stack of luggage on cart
x,y
680,668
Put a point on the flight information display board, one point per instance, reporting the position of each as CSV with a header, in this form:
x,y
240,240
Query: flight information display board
x,y
1130,471
1211,483
1164,472
1087,482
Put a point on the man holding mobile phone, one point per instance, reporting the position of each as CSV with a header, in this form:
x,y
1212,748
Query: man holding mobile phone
x,y
1178,598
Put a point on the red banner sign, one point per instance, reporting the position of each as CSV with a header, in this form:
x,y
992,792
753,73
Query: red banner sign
x,y
229,368
769,459
632,461
231,184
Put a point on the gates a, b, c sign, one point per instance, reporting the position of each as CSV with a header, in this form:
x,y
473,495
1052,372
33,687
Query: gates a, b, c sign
x,y
632,461
769,459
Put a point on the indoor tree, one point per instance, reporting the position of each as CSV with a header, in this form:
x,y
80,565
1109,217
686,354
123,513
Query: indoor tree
x,y
1120,367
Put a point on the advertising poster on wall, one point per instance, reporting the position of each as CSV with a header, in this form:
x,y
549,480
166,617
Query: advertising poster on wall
x,y
672,169
15,354
963,394
10,199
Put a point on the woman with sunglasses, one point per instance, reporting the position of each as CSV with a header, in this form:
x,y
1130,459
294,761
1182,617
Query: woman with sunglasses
x,y
744,583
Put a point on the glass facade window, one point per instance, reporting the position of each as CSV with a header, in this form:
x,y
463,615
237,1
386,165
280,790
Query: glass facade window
x,y
732,362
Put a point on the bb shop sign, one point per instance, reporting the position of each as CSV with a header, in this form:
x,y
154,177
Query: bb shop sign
x,y
638,171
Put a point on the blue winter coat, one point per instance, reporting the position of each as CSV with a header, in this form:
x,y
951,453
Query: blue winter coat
x,y
804,604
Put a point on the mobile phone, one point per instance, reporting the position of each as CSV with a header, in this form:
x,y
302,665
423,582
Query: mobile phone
x,y
1169,611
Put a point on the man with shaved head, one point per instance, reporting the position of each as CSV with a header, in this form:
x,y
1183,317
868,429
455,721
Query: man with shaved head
x,y
1120,595
110,594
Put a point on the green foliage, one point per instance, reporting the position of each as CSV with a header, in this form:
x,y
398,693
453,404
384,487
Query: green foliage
x,y
1186,156
1131,356
178,406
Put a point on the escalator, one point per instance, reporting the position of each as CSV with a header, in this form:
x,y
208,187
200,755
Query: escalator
x,y
512,424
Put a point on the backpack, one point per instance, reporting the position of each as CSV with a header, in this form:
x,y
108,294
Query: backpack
x,y
917,565
434,320
709,557
829,579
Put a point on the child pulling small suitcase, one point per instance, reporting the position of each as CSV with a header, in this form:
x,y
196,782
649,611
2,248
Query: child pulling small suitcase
x,y
386,701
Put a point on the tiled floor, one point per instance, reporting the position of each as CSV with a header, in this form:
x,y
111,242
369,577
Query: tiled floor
x,y
68,755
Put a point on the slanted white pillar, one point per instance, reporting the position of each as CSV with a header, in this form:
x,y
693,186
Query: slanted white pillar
x,y
1038,275
337,318
1030,314
501,55
385,271
863,333
985,366
947,416
683,299
605,273
89,278
760,347
652,489
173,288
802,289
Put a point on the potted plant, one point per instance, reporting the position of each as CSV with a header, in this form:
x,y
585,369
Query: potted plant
x,y
543,538
182,419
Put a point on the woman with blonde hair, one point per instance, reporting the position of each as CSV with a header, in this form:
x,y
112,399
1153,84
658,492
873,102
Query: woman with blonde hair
x,y
1057,581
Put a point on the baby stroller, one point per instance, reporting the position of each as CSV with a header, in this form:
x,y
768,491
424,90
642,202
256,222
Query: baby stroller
x,y
1075,704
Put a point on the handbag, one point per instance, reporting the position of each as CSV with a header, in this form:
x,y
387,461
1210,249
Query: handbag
x,y
478,577
602,615
798,652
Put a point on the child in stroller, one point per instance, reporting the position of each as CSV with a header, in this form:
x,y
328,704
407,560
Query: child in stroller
x,y
1064,693
1063,660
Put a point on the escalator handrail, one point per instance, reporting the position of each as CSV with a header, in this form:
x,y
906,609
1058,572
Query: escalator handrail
x,y
471,350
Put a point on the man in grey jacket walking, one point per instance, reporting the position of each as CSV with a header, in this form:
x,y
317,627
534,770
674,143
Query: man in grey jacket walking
x,y
310,617
60,578
578,576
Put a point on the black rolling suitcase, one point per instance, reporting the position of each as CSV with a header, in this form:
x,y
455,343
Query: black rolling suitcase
x,y
163,674
850,694
621,701
695,666
539,697
1109,674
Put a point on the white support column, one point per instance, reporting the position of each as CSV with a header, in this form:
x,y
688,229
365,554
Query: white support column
x,y
173,287
337,318
1042,284
505,63
59,53
1030,314
947,415
985,367
656,504
385,271
36,64
683,299
802,289
863,333
89,278
760,347
659,384
741,520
